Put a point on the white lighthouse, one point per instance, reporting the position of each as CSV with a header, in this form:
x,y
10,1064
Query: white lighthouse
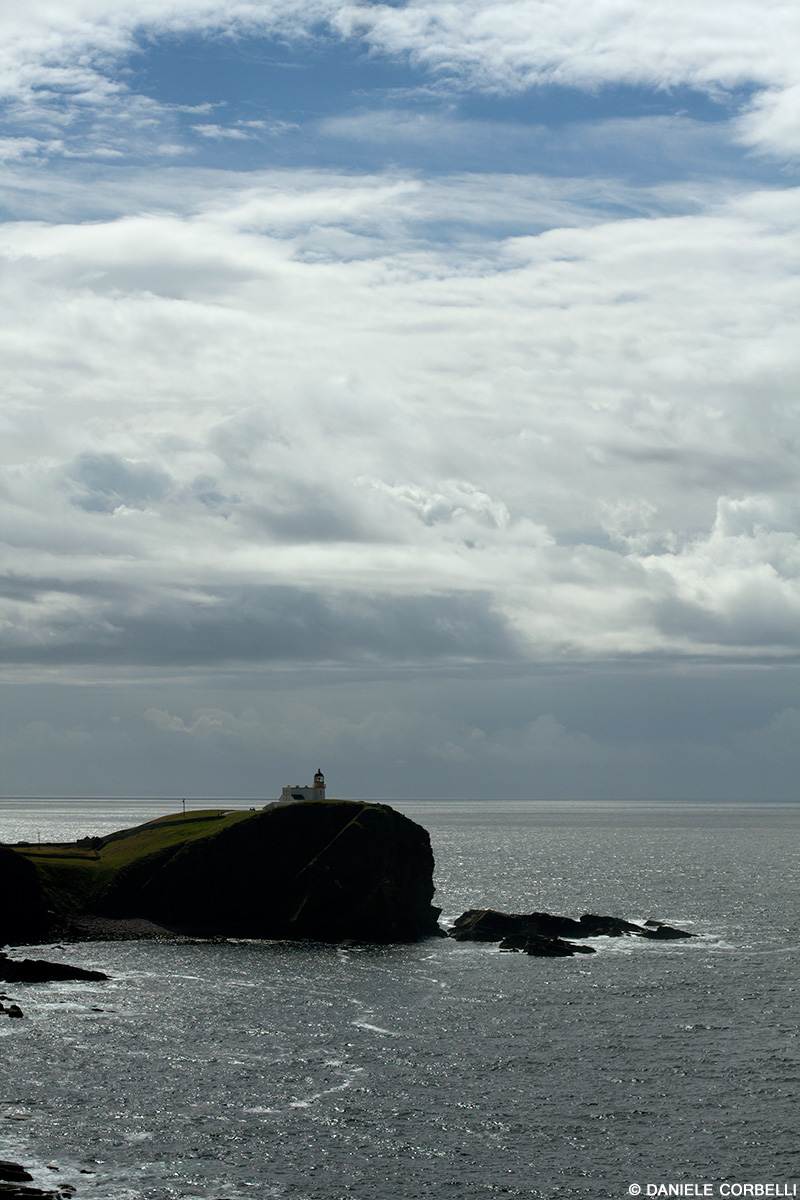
x,y
290,795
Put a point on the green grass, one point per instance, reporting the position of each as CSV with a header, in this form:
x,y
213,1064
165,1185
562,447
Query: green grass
x,y
72,874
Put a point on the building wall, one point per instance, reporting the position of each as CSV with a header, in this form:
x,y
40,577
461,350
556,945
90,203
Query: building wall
x,y
302,793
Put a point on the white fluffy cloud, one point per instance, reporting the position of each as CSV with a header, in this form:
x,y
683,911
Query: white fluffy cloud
x,y
588,434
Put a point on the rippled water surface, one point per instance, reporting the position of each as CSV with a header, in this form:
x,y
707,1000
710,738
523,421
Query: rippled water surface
x,y
234,1070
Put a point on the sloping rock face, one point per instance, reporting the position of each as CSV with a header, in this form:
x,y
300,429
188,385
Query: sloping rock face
x,y
23,910
328,871
488,925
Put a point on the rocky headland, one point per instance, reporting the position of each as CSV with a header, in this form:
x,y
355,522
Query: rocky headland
x,y
328,870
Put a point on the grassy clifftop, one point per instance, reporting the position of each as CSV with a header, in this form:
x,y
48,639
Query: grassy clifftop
x,y
74,875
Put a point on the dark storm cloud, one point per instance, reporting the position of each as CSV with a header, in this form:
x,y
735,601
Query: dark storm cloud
x,y
273,624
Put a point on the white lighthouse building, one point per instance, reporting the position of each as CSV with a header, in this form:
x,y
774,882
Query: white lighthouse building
x,y
290,794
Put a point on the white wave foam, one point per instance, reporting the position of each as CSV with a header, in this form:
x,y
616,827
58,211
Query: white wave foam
x,y
375,1028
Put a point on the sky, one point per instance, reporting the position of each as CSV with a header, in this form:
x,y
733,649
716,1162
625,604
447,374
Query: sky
x,y
406,389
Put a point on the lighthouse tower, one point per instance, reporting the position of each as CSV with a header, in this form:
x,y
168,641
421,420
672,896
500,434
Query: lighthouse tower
x,y
319,786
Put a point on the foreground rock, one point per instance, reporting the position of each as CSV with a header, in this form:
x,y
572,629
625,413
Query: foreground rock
x,y
13,1172
330,870
13,1180
542,934
34,970
18,1191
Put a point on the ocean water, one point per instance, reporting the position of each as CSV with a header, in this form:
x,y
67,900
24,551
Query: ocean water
x,y
240,1070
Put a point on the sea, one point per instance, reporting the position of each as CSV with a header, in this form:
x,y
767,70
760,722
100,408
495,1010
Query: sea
x,y
240,1070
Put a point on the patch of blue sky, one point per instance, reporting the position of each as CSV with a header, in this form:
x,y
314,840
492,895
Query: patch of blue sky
x,y
555,106
295,81
249,103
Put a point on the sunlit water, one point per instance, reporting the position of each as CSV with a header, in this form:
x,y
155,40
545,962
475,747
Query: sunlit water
x,y
233,1070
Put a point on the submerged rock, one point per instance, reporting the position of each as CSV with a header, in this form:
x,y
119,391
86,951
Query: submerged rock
x,y
655,929
19,1191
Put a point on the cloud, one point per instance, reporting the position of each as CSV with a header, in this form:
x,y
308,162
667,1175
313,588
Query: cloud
x,y
209,723
509,446
780,738
525,40
741,584
771,123
223,131
105,482
440,139
67,56
242,131
15,148
255,625
453,470
504,46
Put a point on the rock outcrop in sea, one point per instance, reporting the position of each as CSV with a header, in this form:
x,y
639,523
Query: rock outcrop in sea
x,y
544,935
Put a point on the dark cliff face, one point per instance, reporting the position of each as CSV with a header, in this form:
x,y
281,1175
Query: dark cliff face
x,y
326,870
23,911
